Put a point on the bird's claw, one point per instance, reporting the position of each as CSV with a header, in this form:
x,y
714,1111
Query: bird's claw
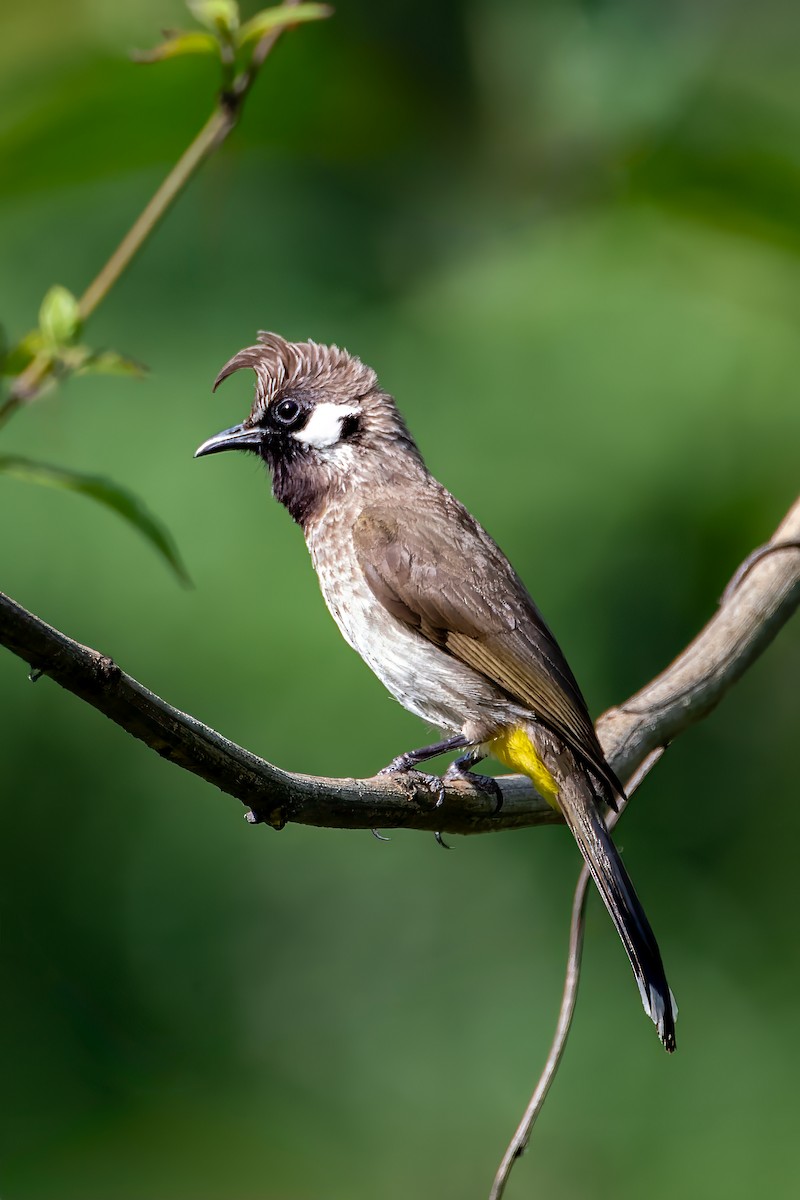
x,y
417,780
484,783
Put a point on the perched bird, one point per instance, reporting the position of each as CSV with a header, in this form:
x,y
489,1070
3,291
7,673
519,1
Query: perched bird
x,y
433,606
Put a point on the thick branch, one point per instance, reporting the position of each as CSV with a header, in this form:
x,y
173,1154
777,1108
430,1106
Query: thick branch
x,y
276,796
746,622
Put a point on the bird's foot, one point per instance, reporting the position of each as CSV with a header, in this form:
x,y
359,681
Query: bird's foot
x,y
416,780
460,769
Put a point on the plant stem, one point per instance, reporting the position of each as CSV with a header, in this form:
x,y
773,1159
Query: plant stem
x,y
223,119
215,130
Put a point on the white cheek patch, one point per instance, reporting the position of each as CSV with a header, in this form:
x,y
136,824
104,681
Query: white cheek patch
x,y
324,427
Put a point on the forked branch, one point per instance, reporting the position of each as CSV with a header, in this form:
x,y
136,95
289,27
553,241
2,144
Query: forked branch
x,y
747,620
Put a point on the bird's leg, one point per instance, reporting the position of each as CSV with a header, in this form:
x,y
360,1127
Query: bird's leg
x,y
412,758
406,764
460,769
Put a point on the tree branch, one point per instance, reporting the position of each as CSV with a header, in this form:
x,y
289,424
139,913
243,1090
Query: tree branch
x,y
750,615
748,619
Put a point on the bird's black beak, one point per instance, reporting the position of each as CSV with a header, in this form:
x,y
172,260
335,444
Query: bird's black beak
x,y
237,438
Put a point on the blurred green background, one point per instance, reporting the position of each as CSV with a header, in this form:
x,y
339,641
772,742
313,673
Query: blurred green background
x,y
566,235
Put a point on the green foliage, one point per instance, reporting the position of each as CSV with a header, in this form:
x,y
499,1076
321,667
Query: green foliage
x,y
270,19
105,492
53,346
53,349
178,44
109,362
59,319
227,38
221,16
14,359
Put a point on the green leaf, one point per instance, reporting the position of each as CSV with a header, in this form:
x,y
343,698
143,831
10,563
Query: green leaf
x,y
22,355
178,44
278,18
78,360
109,362
220,16
59,317
119,499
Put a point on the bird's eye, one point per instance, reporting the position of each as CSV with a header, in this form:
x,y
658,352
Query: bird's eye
x,y
287,413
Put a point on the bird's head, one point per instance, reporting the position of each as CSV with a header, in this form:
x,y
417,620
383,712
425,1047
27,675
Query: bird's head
x,y
319,421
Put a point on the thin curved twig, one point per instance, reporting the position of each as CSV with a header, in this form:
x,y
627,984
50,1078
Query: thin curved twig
x,y
748,617
519,1142
522,1135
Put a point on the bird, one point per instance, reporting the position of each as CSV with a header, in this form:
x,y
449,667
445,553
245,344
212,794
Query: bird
x,y
433,606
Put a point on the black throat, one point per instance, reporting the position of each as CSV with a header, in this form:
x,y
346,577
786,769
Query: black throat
x,y
297,485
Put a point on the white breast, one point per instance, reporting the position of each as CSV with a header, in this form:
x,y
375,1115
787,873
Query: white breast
x,y
426,680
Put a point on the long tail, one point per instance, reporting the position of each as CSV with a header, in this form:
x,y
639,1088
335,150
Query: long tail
x,y
580,811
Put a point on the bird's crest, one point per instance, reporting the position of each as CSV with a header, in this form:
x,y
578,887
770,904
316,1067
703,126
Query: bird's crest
x,y
282,366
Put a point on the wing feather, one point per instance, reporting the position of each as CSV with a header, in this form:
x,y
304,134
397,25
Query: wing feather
x,y
438,571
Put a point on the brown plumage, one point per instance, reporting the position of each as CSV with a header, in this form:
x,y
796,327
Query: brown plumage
x,y
419,565
432,604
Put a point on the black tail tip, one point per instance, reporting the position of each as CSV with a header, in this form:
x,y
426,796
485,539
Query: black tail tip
x,y
664,1014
